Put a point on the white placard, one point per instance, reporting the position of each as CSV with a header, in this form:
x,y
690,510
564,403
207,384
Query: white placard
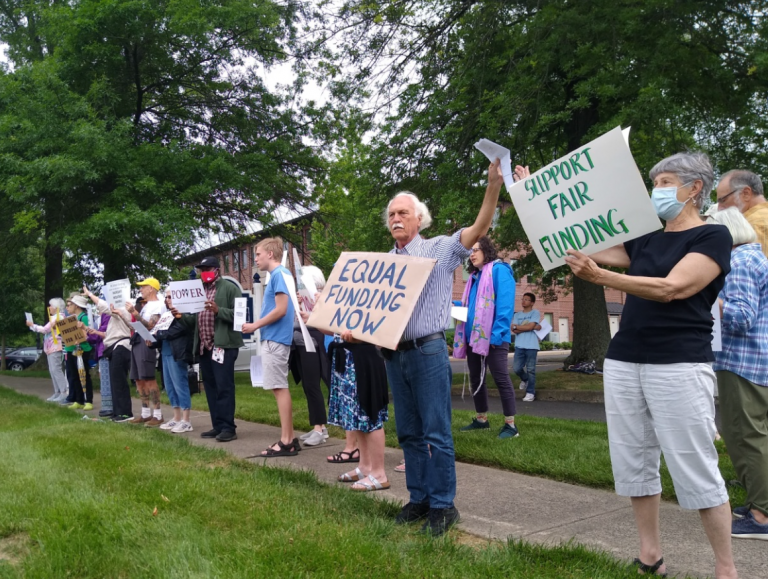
x,y
459,313
308,343
241,310
546,328
717,330
257,372
29,317
589,200
142,331
494,151
307,287
117,292
163,323
188,297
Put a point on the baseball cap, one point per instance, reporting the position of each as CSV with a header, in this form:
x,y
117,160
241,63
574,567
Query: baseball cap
x,y
209,262
150,281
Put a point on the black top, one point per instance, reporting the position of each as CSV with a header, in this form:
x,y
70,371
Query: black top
x,y
681,330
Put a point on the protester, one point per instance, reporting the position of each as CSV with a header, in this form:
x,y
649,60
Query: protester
x,y
418,370
358,392
309,367
276,325
144,358
176,353
525,324
216,345
96,340
117,350
657,378
744,190
53,349
489,297
80,386
742,372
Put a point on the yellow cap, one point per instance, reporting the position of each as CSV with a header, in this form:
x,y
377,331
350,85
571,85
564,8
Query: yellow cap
x,y
152,282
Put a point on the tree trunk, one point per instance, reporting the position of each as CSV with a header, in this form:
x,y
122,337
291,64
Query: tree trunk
x,y
40,364
54,258
2,352
591,333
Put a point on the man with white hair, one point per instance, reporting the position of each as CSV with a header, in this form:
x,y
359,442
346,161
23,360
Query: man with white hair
x,y
744,190
418,370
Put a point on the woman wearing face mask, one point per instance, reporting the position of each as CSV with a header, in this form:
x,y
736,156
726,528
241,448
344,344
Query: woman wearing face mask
x,y
657,376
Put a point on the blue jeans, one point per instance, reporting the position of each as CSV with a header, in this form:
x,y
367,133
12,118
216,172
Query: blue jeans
x,y
524,365
176,382
420,380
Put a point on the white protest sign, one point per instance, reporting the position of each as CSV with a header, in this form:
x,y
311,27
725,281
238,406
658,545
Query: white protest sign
x,y
142,331
257,372
163,323
307,287
546,328
117,292
372,295
187,296
459,313
494,151
717,330
589,200
241,307
309,345
29,317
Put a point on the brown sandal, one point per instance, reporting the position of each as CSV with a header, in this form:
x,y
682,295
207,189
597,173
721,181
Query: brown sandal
x,y
342,456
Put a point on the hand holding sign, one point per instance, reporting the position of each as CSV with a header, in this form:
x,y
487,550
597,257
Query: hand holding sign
x,y
583,266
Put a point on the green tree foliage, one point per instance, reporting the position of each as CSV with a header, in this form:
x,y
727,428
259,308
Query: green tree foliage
x,y
128,127
543,78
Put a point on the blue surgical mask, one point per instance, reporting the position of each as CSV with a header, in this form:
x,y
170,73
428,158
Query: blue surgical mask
x,y
665,202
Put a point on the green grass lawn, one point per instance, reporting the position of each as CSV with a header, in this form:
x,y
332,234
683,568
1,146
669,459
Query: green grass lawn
x,y
95,499
574,451
553,380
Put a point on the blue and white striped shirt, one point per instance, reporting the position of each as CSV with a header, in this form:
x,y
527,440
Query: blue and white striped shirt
x,y
745,316
433,309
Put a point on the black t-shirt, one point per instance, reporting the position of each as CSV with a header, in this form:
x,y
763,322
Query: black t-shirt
x,y
681,330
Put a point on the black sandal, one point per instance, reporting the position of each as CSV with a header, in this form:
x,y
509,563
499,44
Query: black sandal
x,y
649,569
339,457
284,450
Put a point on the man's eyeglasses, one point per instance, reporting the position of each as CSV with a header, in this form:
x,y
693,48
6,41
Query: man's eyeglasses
x,y
724,197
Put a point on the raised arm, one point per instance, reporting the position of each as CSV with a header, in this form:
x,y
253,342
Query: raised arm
x,y
471,234
691,275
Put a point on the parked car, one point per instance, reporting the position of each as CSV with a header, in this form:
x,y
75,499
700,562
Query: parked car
x,y
22,358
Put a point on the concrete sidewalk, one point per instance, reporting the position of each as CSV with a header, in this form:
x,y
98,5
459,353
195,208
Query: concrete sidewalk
x,y
498,504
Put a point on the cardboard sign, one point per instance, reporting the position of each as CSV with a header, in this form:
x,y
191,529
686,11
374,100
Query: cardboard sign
x,y
589,200
373,295
188,297
117,292
71,335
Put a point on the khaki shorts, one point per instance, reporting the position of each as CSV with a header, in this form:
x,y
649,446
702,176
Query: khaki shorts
x,y
274,361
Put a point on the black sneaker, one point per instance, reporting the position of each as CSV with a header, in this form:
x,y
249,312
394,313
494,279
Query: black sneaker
x,y
440,520
121,418
210,434
105,413
226,436
411,513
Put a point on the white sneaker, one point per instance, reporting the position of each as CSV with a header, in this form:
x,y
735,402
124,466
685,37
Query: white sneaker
x,y
182,427
529,397
53,398
308,434
523,385
314,438
170,425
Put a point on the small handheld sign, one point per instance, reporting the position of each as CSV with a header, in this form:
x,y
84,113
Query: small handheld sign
x,y
117,292
71,335
188,296
372,295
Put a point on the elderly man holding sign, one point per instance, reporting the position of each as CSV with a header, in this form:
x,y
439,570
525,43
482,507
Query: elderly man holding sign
x,y
418,369
658,380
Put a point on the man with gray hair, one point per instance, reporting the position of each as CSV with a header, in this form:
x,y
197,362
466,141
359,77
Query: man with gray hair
x,y
744,190
418,370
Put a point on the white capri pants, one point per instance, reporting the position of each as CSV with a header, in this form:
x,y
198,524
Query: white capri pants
x,y
669,408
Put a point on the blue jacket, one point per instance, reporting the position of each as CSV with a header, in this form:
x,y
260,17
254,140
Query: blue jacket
x,y
504,289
